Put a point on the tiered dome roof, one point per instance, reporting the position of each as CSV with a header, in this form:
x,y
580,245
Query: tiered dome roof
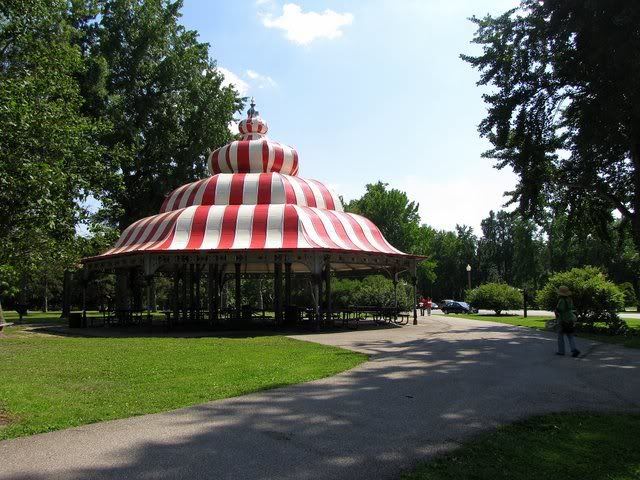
x,y
253,152
253,200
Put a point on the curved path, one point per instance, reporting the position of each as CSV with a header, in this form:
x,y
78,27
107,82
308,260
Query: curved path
x,y
426,389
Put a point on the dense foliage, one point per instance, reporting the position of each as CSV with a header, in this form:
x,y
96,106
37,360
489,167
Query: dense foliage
x,y
374,290
108,100
157,86
495,296
595,298
564,110
627,290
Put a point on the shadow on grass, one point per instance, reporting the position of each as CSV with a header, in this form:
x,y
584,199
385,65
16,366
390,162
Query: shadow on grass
x,y
228,331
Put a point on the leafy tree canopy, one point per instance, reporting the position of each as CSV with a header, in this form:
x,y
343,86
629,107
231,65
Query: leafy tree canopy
x,y
393,212
159,89
564,105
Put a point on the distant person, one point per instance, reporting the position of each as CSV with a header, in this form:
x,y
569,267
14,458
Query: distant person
x,y
429,305
422,303
566,319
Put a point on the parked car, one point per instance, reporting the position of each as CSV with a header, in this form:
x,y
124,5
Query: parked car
x,y
454,306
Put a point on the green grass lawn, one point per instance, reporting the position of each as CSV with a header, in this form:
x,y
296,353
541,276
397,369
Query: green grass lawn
x,y
35,317
632,341
560,446
52,382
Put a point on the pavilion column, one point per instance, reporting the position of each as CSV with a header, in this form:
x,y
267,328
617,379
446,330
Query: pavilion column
x,y
327,280
176,294
122,290
185,300
135,288
395,292
287,292
414,280
85,281
224,301
152,293
190,286
316,284
238,291
212,274
197,287
219,304
148,283
277,287
66,294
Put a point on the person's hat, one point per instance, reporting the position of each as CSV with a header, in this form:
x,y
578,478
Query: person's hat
x,y
564,291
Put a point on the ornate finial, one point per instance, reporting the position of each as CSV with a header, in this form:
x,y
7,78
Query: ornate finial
x,y
252,112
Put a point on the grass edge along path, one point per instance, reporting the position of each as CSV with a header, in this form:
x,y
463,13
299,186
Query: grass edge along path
x,y
568,446
538,323
53,382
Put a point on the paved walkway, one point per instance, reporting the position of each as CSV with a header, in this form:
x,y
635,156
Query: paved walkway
x,y
425,390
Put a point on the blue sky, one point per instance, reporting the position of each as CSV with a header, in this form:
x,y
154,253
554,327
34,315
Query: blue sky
x,y
366,91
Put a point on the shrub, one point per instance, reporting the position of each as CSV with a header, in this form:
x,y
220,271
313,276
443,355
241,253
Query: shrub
x,y
630,299
495,296
374,290
595,299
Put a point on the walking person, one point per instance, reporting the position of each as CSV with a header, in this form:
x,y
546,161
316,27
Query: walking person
x,y
429,305
422,303
566,319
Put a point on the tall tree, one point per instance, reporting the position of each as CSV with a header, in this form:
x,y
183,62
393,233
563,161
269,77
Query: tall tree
x,y
156,84
394,214
564,107
495,248
48,148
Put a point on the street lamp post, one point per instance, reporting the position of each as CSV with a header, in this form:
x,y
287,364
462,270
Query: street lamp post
x,y
469,276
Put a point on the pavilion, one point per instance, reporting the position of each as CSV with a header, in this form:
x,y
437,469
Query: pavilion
x,y
253,216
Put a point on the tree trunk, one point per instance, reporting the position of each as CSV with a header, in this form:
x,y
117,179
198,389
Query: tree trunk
x,y
635,215
635,229
46,295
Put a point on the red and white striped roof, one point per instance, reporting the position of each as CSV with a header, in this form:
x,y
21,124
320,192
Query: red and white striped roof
x,y
252,189
249,227
254,156
253,152
254,200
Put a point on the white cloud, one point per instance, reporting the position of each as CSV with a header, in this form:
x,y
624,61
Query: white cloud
x,y
304,28
261,81
231,78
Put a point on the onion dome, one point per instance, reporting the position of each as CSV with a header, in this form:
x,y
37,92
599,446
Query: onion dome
x,y
253,127
253,152
254,200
